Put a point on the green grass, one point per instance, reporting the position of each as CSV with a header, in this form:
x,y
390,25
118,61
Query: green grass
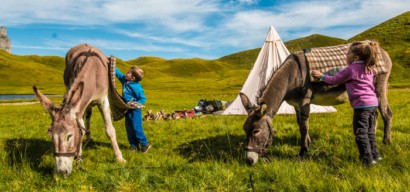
x,y
205,154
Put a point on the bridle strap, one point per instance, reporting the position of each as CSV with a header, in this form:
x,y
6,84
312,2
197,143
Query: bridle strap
x,y
263,149
77,152
69,154
256,150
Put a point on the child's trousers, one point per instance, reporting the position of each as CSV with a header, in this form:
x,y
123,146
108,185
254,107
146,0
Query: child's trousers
x,y
364,131
133,125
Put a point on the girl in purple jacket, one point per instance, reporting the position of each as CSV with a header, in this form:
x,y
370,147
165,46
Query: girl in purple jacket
x,y
358,78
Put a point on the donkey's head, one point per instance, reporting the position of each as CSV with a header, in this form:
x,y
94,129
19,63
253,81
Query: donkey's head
x,y
65,129
258,129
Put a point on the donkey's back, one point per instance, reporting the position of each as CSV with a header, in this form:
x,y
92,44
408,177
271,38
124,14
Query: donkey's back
x,y
87,63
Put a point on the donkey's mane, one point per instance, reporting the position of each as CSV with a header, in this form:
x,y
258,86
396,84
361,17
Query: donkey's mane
x,y
78,57
263,88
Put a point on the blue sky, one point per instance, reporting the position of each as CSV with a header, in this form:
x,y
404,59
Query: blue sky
x,y
170,29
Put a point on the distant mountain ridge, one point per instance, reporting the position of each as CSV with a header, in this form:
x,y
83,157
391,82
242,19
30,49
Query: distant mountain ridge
x,y
19,73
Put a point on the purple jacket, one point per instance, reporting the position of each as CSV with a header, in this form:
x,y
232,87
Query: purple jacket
x,y
359,84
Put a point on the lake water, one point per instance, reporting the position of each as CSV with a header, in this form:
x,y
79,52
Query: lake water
x,y
19,96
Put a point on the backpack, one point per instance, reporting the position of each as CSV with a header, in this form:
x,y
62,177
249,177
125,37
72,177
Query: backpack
x,y
209,106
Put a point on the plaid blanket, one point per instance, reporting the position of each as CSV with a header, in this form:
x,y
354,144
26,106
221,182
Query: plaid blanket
x,y
330,60
117,105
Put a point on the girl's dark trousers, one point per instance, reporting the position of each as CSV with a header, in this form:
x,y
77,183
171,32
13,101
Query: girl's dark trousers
x,y
365,134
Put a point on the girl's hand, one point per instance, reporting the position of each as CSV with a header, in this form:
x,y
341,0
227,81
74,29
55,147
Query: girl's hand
x,y
316,74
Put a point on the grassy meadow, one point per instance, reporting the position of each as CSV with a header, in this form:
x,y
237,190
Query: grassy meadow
x,y
205,154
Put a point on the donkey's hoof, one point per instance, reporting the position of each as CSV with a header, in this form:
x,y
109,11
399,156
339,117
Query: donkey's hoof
x,y
386,141
121,160
302,152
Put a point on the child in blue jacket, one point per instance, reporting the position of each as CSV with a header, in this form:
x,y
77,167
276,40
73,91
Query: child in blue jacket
x,y
132,92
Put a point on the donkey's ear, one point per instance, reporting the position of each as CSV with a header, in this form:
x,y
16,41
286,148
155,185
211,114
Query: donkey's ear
x,y
47,104
246,102
75,96
263,110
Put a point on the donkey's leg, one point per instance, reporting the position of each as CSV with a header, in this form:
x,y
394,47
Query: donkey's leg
x,y
302,115
384,108
104,108
87,116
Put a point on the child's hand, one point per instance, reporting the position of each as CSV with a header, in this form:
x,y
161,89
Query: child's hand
x,y
135,105
316,74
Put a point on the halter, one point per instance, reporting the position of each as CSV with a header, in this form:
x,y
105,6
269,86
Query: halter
x,y
263,150
77,151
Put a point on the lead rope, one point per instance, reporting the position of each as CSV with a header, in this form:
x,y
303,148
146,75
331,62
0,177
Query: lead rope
x,y
265,157
78,159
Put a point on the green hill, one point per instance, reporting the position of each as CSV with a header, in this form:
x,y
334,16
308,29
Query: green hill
x,y
145,60
243,59
19,73
394,36
52,61
223,75
311,41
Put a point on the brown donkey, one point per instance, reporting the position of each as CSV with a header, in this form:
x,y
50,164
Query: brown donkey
x,y
86,78
291,83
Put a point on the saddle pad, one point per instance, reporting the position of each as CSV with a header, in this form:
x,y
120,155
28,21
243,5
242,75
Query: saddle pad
x,y
117,105
330,60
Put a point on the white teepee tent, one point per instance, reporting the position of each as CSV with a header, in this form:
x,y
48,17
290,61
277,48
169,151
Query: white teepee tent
x,y
271,56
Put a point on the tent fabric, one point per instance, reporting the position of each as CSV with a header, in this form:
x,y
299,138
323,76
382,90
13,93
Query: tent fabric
x,y
271,56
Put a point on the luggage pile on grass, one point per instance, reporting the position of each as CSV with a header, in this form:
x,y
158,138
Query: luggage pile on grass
x,y
203,107
162,115
210,106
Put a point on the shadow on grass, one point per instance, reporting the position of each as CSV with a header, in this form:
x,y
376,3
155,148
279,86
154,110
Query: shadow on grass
x,y
227,148
290,140
223,148
97,144
31,151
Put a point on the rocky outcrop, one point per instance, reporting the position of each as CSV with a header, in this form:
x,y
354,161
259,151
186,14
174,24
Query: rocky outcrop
x,y
5,43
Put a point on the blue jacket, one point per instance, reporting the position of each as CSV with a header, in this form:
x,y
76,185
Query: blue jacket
x,y
131,90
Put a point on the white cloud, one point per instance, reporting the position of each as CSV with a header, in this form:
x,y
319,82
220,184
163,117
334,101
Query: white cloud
x,y
187,42
178,15
178,25
192,15
248,2
108,44
307,17
40,47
